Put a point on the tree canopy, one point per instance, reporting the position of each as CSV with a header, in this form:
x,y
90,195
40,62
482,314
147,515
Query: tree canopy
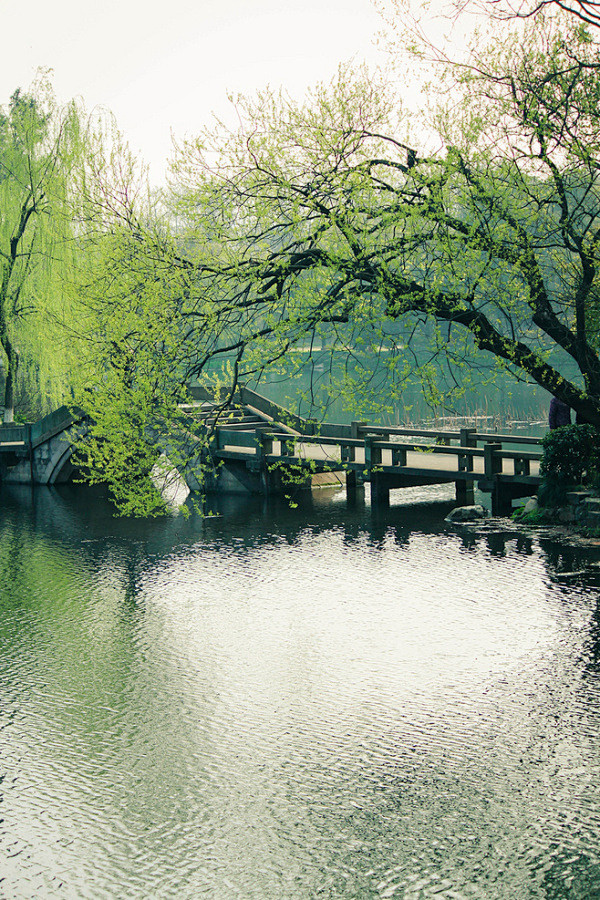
x,y
321,219
587,11
320,214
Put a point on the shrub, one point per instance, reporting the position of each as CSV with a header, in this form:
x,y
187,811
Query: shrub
x,y
571,454
534,517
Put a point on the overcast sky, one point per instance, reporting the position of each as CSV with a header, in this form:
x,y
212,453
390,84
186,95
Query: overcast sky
x,y
165,67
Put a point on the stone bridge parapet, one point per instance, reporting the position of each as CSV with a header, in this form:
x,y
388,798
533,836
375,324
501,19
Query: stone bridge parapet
x,y
40,453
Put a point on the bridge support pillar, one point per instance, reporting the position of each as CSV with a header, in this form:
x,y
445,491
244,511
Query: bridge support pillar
x,y
380,490
503,493
501,500
465,492
354,482
355,490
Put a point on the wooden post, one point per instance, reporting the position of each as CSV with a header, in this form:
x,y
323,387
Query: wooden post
x,y
492,461
501,499
372,454
368,441
465,489
263,442
348,456
380,492
465,492
346,453
285,444
467,438
501,502
522,466
355,429
351,481
398,456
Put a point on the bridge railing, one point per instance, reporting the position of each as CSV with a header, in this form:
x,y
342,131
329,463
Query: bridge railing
x,y
53,423
14,436
22,439
464,436
274,446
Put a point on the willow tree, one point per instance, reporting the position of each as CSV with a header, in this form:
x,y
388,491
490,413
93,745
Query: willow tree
x,y
38,144
132,291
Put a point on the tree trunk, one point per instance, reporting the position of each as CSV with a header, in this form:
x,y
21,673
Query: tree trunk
x,y
9,385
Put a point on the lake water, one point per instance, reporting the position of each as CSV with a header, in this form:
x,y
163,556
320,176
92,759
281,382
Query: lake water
x,y
283,704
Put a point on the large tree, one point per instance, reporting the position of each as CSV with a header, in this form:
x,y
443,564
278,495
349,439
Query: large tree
x,y
587,11
317,214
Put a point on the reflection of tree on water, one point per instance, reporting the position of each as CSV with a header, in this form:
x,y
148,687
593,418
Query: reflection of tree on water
x,y
74,634
569,876
17,624
497,542
574,874
593,644
82,519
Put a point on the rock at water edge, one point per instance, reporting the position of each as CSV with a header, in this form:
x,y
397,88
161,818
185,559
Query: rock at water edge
x,y
467,513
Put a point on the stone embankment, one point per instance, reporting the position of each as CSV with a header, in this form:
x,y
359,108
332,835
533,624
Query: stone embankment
x,y
582,510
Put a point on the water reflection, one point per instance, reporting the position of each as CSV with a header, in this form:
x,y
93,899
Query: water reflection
x,y
299,703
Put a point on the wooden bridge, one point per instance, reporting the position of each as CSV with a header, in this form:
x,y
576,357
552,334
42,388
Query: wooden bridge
x,y
260,448
265,449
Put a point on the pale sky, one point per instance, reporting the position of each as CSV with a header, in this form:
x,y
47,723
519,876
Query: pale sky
x,y
163,68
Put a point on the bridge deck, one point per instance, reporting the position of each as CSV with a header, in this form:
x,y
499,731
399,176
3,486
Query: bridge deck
x,y
443,463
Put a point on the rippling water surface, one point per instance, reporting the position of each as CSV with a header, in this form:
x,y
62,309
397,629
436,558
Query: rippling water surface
x,y
282,704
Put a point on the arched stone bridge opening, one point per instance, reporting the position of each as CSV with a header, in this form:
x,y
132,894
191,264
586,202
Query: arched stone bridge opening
x,y
40,453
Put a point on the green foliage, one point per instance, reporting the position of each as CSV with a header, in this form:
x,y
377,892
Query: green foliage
x,y
315,225
569,452
316,220
40,145
534,517
571,456
552,494
127,378
124,461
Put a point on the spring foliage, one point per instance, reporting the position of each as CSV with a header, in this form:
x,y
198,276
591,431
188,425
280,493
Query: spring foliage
x,y
40,146
318,222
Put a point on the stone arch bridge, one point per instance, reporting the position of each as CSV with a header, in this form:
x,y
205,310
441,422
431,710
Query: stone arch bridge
x,y
40,452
